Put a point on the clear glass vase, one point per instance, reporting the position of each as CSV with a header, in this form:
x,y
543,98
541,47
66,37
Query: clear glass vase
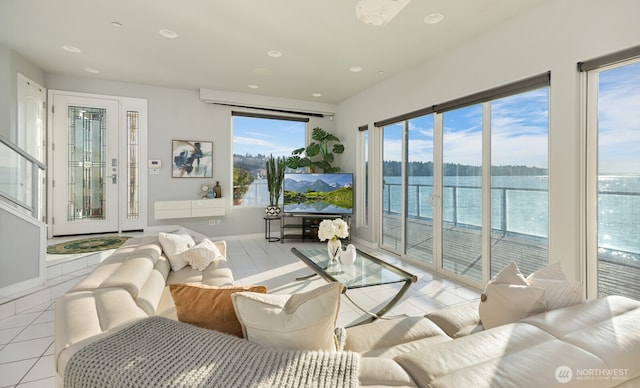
x,y
334,249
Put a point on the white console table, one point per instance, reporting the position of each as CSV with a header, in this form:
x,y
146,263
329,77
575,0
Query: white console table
x,y
188,209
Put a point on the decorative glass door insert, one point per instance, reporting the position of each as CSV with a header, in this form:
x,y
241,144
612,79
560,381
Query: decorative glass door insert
x,y
87,164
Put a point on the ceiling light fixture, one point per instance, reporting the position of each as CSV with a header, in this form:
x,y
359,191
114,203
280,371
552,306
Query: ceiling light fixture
x,y
317,94
91,70
434,18
253,86
378,12
116,24
168,34
355,69
72,49
274,54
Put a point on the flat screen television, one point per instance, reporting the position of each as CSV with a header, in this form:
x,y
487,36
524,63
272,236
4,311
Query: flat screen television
x,y
318,193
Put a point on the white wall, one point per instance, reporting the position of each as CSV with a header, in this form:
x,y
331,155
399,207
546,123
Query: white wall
x,y
552,37
180,114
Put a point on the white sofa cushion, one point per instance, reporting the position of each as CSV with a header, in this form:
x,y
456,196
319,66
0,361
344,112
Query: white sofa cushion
x,y
386,337
514,355
607,327
304,321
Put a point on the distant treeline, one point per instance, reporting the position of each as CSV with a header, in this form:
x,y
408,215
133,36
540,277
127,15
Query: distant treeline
x,y
393,168
252,163
255,163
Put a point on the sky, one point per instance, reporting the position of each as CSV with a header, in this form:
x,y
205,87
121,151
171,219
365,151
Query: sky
x,y
276,137
519,127
619,120
519,130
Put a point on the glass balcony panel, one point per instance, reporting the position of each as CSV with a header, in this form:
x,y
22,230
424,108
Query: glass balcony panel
x,y
519,181
619,181
419,217
461,193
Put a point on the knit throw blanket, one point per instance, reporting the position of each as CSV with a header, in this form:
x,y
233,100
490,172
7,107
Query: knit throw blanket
x,y
160,352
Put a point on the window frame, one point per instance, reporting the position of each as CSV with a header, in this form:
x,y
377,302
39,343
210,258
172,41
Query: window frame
x,y
264,116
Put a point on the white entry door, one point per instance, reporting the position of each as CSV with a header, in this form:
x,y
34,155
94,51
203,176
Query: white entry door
x,y
85,165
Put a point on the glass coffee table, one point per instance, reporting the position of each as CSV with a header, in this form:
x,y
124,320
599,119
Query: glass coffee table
x,y
367,271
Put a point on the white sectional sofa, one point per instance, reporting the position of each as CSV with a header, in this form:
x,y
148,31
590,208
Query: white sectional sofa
x,y
129,285
592,344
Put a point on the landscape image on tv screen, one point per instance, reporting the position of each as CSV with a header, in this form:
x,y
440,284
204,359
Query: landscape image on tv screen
x,y
318,193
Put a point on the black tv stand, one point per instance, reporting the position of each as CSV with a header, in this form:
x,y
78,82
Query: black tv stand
x,y
304,227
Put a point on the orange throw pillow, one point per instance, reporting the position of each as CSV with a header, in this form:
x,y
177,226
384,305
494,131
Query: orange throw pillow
x,y
208,306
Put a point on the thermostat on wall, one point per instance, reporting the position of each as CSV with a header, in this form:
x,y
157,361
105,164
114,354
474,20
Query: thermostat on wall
x,y
154,166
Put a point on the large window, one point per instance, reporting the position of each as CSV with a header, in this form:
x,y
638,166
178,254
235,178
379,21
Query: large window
x,y
519,181
419,183
392,189
462,192
614,179
363,170
465,182
255,137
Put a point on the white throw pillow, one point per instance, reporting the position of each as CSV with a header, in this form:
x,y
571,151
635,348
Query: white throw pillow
x,y
509,298
508,303
200,256
304,321
510,275
558,291
552,271
174,245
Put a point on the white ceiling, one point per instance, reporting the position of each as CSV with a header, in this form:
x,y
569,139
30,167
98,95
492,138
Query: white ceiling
x,y
223,44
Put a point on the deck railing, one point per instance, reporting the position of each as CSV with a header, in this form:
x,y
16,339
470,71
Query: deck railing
x,y
16,166
452,213
502,218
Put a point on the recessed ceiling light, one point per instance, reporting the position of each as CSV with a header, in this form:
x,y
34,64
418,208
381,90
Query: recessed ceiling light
x,y
116,24
434,18
355,69
91,70
72,49
252,86
380,72
168,34
317,94
274,54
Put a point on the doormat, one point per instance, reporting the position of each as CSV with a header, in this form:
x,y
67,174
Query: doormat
x,y
84,245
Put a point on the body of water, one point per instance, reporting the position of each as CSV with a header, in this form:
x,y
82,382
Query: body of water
x,y
520,205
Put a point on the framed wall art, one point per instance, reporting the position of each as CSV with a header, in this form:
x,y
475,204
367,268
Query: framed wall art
x,y
192,159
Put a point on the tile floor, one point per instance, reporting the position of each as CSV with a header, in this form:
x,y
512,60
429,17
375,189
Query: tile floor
x,y
26,339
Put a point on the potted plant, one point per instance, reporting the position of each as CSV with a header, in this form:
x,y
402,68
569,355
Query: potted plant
x,y
317,155
275,177
241,182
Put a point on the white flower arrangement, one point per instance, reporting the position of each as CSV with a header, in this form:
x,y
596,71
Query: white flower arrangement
x,y
333,229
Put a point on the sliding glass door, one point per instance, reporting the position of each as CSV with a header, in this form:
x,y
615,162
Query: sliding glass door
x,y
392,188
462,192
465,188
419,188
519,181
614,180
407,193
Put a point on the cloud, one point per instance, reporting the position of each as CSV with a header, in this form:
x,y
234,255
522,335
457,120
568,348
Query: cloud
x,y
619,120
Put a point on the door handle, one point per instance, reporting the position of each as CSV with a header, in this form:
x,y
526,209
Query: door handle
x,y
114,179
434,200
